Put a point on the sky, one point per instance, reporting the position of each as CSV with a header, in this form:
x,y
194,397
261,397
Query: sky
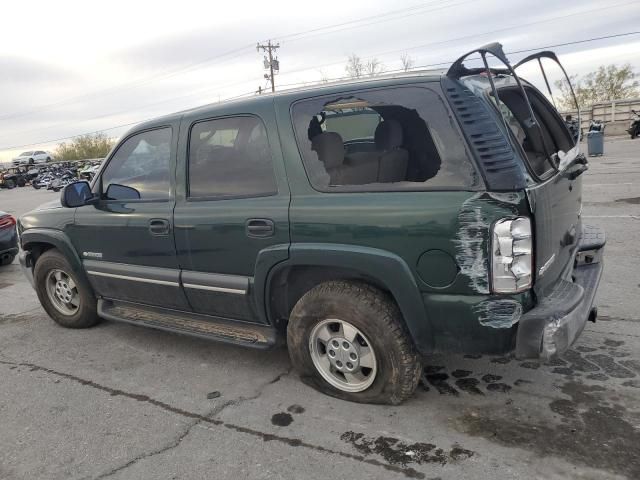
x,y
73,67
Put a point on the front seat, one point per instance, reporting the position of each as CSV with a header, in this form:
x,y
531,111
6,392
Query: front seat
x,y
394,159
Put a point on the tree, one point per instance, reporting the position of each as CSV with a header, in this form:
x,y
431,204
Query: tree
x,y
84,147
354,67
407,62
374,67
610,82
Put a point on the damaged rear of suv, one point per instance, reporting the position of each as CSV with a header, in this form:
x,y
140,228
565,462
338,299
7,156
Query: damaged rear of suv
x,y
368,223
547,252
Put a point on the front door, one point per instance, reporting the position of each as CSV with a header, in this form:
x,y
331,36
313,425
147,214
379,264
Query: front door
x,y
126,240
235,205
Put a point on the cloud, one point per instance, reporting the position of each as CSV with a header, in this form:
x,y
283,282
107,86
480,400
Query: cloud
x,y
121,69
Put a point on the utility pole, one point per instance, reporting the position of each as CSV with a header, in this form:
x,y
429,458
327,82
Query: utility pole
x,y
271,63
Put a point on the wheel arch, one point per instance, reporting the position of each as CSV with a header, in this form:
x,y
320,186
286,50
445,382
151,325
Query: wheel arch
x,y
311,264
37,241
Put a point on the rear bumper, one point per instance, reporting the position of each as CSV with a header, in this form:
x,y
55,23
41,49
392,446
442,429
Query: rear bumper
x,y
555,323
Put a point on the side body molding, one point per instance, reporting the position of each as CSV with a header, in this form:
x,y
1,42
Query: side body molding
x,y
385,267
59,240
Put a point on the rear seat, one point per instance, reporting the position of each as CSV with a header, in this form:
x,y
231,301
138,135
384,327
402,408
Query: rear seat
x,y
393,160
388,164
341,170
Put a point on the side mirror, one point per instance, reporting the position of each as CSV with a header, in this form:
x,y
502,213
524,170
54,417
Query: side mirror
x,y
76,194
121,192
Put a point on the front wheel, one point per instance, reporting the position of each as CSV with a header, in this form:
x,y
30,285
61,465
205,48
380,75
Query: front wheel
x,y
21,182
68,301
348,340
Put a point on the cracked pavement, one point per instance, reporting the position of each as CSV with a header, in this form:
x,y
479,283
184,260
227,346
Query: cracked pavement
x,y
122,402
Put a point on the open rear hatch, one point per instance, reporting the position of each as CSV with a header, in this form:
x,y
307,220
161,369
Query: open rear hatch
x,y
553,158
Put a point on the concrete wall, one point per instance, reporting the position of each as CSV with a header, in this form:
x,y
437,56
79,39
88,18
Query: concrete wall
x,y
616,115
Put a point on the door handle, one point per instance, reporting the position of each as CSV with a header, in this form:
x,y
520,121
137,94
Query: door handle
x,y
260,227
159,226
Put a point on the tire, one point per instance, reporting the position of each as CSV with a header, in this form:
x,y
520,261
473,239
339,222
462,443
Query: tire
x,y
85,314
10,184
35,184
48,159
380,327
21,182
6,260
31,161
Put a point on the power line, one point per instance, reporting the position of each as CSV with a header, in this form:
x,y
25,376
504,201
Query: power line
x,y
231,54
54,140
235,53
468,37
353,23
449,62
576,42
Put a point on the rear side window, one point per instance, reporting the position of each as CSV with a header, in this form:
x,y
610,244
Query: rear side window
x,y
399,138
230,157
556,140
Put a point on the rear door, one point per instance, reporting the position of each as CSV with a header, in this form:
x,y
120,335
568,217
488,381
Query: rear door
x,y
553,158
235,205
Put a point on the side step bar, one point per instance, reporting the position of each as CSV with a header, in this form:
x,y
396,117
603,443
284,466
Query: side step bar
x,y
203,326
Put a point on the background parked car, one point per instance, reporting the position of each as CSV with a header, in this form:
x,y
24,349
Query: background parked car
x,y
8,239
32,156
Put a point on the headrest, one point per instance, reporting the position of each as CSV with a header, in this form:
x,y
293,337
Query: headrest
x,y
388,135
330,149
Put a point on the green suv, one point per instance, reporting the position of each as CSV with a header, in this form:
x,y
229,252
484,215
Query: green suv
x,y
368,224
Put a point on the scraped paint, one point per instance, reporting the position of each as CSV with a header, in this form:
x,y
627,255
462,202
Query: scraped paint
x,y
499,313
470,242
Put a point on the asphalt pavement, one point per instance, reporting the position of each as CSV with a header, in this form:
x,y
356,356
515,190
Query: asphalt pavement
x,y
122,402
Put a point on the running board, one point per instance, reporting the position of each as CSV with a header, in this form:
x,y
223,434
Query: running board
x,y
203,326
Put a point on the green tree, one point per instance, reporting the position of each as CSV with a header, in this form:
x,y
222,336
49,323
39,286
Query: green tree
x,y
610,82
84,147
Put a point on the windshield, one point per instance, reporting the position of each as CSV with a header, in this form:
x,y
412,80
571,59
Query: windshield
x,y
25,154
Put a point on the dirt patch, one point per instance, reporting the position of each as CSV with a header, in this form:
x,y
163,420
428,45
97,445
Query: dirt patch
x,y
591,431
282,419
396,452
295,409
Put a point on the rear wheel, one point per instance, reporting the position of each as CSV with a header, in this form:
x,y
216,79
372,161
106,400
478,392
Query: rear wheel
x,y
347,339
21,182
68,301
10,183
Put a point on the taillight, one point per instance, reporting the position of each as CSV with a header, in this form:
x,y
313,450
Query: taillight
x,y
7,221
511,255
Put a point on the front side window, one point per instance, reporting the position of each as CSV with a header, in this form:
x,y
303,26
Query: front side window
x,y
140,168
230,157
382,139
